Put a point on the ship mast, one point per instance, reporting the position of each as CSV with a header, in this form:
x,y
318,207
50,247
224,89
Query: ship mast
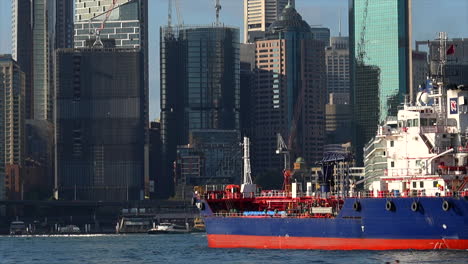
x,y
247,172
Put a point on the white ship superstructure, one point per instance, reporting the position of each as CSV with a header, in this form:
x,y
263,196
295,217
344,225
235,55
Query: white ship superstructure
x,y
424,151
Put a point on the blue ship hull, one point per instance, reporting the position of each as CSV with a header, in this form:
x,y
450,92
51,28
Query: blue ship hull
x,y
371,227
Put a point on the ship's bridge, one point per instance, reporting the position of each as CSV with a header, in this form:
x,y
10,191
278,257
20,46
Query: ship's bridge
x,y
417,116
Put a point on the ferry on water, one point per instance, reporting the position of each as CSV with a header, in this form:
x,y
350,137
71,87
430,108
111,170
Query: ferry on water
x,y
416,194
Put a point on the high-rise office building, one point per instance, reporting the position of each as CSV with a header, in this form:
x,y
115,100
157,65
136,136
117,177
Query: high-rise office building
x,y
12,88
64,24
158,185
247,77
43,45
199,84
373,52
339,116
123,22
322,34
289,92
22,46
100,124
337,62
38,28
259,15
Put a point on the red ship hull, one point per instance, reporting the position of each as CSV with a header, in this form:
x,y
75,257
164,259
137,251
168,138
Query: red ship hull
x,y
320,243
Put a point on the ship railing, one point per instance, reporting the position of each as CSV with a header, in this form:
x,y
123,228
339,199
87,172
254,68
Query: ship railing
x,y
409,193
273,193
403,172
324,214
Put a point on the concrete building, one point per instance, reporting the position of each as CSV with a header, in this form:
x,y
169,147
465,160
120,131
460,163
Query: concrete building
x,y
259,15
200,84
337,63
372,52
289,93
100,124
12,88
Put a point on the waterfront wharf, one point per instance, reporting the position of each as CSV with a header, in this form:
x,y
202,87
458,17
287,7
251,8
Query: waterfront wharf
x,y
45,217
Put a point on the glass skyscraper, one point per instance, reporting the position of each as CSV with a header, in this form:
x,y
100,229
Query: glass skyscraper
x,y
100,124
380,61
200,84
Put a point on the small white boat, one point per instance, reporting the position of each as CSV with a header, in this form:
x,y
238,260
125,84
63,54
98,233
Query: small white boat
x,y
69,229
18,228
169,228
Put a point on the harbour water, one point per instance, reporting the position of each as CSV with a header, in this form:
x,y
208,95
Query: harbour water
x,y
188,248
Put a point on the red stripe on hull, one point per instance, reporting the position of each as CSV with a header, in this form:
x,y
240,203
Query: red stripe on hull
x,y
320,243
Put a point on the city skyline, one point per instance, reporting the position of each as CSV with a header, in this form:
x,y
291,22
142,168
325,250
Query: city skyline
x,y
426,24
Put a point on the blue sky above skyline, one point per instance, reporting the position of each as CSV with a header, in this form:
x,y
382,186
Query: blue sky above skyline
x,y
429,17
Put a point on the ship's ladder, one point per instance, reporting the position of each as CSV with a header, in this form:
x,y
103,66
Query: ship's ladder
x,y
427,142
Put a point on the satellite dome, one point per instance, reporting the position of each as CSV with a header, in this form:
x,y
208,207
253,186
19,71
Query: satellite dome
x,y
425,98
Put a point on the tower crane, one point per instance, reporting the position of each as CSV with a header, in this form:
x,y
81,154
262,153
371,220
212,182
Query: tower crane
x,y
169,15
362,40
107,13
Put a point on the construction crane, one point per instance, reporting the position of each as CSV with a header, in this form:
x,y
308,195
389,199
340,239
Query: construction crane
x,y
282,148
97,32
169,15
362,41
218,9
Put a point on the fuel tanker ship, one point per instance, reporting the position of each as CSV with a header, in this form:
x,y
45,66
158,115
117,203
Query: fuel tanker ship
x,y
415,194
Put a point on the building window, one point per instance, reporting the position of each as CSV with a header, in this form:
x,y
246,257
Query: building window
x,y
392,144
435,183
392,164
414,184
421,184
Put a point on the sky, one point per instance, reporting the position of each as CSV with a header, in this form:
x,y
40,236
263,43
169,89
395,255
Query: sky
x,y
429,17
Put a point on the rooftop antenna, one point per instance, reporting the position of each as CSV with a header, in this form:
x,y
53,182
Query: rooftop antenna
x,y
339,34
218,8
